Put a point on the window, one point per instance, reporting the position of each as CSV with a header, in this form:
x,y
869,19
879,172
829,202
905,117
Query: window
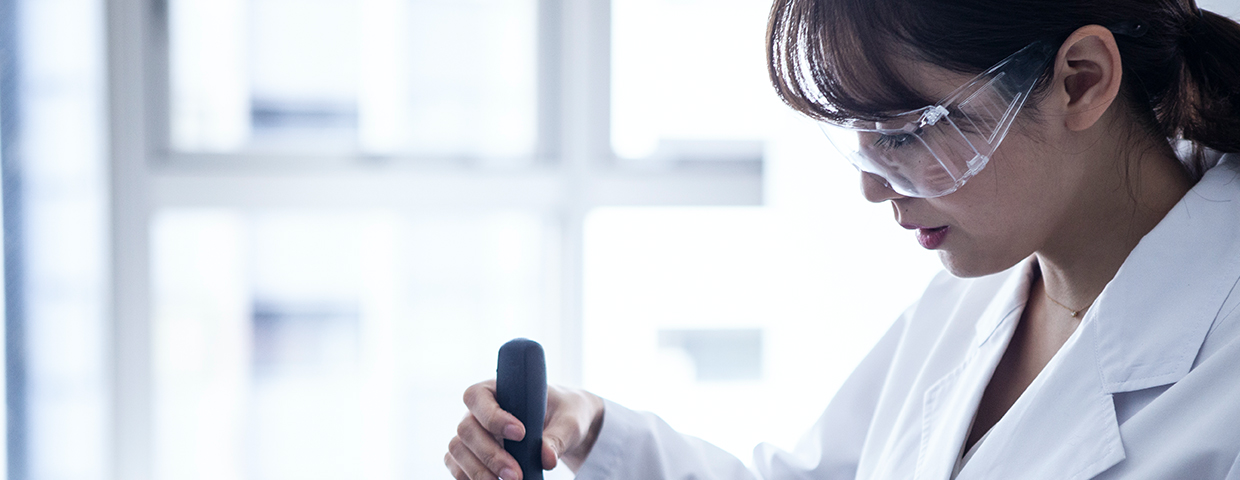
x,y
337,211
689,80
319,209
427,78
332,344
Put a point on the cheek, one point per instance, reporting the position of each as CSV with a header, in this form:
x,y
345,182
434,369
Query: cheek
x,y
1017,186
998,217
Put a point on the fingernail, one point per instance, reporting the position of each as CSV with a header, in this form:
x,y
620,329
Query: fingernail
x,y
513,432
508,474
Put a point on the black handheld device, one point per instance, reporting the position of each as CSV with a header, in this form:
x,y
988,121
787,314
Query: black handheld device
x,y
521,389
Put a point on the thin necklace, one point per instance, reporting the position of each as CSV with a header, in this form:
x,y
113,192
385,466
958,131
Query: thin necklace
x,y
1065,307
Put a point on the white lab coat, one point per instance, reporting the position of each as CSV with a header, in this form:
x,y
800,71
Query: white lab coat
x,y
1147,387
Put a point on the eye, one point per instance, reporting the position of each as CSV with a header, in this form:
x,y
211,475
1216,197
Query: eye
x,y
897,140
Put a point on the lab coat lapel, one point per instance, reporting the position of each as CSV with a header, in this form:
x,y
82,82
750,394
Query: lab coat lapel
x,y
949,404
1064,427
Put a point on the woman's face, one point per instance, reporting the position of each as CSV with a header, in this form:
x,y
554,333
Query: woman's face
x,y
1012,208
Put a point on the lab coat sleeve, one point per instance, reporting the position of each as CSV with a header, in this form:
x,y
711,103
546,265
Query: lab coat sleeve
x,y
641,446
831,450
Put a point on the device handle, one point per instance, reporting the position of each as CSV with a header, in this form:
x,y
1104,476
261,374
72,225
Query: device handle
x,y
521,389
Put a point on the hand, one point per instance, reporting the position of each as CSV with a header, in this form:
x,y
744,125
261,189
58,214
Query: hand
x,y
574,418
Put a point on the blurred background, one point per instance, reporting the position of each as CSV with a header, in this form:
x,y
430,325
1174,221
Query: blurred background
x,y
276,239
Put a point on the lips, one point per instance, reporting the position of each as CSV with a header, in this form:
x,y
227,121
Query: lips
x,y
929,237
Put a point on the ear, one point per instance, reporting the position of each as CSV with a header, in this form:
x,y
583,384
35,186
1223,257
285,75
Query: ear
x,y
1088,73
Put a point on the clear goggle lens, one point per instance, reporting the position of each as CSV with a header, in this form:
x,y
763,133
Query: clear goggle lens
x,y
933,151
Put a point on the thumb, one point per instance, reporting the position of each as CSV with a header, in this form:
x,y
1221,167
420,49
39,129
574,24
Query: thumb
x,y
548,455
556,440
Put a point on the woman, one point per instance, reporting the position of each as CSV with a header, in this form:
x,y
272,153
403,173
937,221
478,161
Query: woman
x,y
1062,156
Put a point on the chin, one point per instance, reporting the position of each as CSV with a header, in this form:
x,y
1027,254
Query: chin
x,y
971,266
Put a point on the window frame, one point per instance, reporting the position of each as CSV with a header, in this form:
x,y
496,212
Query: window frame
x,y
574,171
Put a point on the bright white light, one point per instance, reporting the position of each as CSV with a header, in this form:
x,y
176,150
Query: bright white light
x,y
688,69
820,297
208,73
820,271
437,78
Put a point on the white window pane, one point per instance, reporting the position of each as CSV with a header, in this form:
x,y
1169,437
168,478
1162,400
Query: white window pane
x,y
305,345
61,419
684,305
440,78
689,79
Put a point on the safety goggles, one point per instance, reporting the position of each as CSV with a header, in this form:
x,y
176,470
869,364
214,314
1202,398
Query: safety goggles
x,y
934,150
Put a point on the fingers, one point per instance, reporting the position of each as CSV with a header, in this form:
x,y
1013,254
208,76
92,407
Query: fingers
x,y
467,466
479,454
574,419
453,468
480,398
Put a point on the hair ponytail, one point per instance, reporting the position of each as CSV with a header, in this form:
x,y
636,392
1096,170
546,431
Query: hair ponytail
x,y
1207,110
837,59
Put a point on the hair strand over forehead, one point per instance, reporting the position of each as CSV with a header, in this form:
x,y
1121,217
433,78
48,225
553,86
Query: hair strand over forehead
x,y
823,65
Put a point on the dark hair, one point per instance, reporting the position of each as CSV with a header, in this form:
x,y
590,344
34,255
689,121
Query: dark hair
x,y
834,60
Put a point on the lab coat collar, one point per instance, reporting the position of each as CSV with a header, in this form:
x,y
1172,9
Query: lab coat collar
x,y
1145,337
1138,335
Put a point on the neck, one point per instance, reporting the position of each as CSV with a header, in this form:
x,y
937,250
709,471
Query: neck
x,y
1092,244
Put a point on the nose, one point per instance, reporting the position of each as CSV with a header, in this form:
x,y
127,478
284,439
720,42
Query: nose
x,y
876,189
